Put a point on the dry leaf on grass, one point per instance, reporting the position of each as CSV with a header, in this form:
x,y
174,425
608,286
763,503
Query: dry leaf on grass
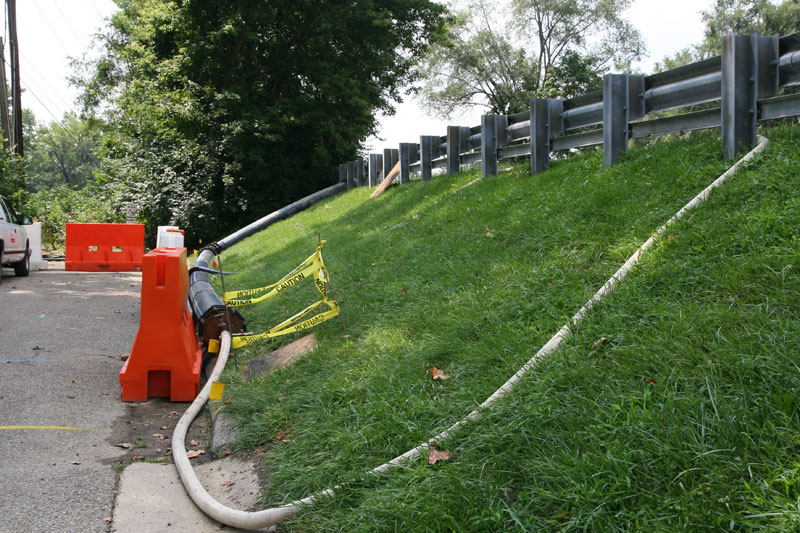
x,y
434,456
191,454
561,516
194,443
599,341
438,374
281,435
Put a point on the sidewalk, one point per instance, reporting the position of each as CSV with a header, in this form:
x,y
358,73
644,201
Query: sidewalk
x,y
64,429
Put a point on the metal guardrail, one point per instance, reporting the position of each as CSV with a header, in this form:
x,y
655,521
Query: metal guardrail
x,y
746,78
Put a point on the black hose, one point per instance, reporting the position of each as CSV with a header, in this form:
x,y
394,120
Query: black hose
x,y
205,302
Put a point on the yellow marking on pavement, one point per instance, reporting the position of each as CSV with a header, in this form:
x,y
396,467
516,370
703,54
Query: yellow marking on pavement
x,y
65,428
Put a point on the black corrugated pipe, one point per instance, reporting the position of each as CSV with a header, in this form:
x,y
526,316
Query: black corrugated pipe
x,y
208,308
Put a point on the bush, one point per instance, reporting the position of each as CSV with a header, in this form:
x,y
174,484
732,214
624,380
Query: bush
x,y
59,205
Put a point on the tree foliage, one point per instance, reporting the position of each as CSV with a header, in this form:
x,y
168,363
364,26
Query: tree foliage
x,y
225,109
547,48
62,153
740,17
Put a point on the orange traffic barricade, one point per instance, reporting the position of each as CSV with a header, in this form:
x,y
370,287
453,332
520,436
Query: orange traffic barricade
x,y
166,356
104,247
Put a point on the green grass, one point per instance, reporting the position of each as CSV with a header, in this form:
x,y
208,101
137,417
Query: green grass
x,y
685,417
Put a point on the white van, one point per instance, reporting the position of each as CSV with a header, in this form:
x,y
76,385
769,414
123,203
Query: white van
x,y
15,250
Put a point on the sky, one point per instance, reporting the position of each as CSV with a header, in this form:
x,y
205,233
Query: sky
x,y
51,32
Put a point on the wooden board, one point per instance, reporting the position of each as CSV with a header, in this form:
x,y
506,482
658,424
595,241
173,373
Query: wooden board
x,y
387,181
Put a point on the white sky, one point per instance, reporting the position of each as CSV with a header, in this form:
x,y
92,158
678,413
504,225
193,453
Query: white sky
x,y
52,31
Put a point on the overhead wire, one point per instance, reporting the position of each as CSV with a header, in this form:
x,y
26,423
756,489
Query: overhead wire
x,y
95,8
55,33
69,24
69,133
29,65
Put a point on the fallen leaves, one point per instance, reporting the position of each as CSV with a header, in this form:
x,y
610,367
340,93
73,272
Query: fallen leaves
x,y
194,443
489,233
126,445
561,516
599,341
650,380
281,435
191,454
107,519
434,456
438,374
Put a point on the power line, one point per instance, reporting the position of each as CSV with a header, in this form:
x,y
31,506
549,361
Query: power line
x,y
69,133
95,8
29,65
69,24
55,33
42,92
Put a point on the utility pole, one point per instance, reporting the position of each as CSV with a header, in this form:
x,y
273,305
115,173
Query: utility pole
x,y
4,98
16,89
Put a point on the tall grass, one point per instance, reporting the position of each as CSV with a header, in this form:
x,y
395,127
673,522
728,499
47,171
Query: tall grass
x,y
673,406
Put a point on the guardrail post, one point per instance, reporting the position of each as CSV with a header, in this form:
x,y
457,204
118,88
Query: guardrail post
x,y
405,163
390,158
342,172
739,95
623,101
546,123
375,169
426,155
615,118
488,145
501,130
540,135
360,172
464,134
453,149
351,174
767,54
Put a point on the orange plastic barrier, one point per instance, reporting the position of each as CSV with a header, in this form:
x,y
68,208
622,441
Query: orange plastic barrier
x,y
98,247
166,357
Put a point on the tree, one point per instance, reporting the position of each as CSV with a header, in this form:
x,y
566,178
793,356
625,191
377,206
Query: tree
x,y
62,153
741,17
549,45
225,109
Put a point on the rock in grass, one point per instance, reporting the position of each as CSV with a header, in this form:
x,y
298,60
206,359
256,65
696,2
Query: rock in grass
x,y
282,357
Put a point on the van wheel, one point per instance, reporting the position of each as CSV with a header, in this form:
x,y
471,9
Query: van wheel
x,y
23,268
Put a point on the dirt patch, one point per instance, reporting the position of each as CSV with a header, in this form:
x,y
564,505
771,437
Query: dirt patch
x,y
144,433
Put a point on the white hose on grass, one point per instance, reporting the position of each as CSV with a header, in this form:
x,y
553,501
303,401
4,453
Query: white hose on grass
x,y
274,515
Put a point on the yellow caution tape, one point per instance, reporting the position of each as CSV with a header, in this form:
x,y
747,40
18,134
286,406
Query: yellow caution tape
x,y
311,267
216,390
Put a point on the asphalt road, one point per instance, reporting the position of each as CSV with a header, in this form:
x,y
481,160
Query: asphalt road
x,y
61,338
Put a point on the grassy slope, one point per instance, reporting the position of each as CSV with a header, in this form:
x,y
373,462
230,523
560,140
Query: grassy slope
x,y
685,417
